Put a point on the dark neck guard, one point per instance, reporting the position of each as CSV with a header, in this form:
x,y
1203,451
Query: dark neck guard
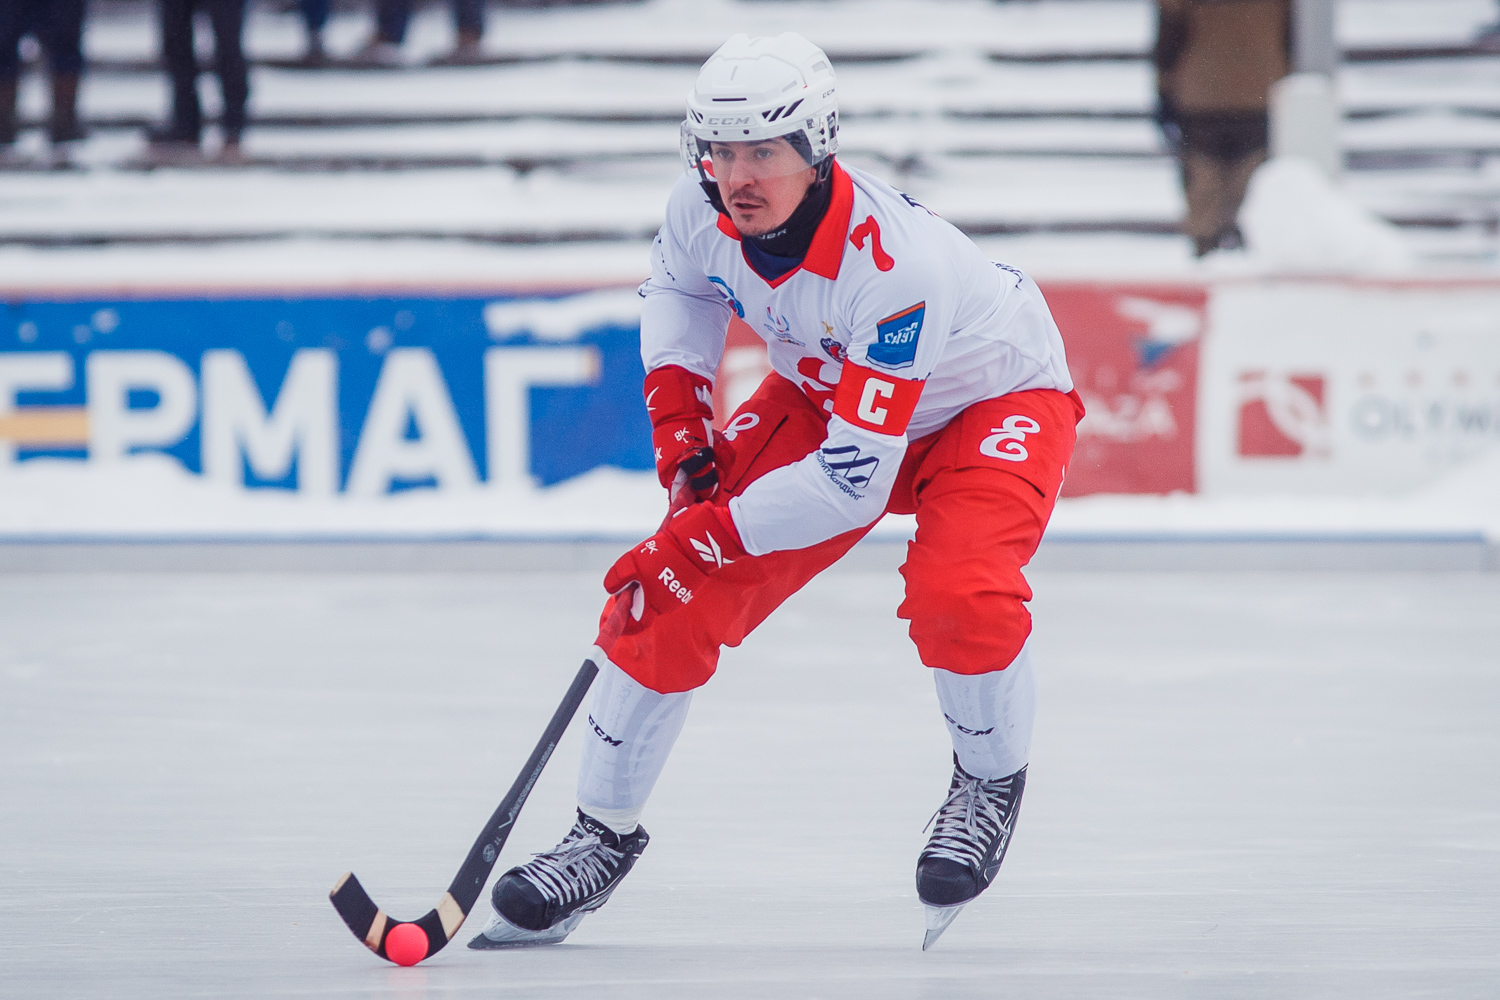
x,y
795,235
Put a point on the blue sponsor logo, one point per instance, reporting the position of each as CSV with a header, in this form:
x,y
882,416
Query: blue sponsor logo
x,y
319,396
896,338
848,463
848,469
728,294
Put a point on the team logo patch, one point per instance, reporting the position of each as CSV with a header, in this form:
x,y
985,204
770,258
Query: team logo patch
x,y
896,338
835,350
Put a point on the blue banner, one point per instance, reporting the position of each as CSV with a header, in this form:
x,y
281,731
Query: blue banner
x,y
331,395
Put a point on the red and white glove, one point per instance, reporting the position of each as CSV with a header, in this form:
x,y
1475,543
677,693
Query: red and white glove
x,y
674,563
682,428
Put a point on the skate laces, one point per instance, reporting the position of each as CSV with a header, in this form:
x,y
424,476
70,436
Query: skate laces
x,y
576,868
970,820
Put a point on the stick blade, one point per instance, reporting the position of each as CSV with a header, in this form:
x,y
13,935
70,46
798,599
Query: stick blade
x,y
370,924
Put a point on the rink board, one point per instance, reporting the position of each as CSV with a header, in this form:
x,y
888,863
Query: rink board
x,y
462,413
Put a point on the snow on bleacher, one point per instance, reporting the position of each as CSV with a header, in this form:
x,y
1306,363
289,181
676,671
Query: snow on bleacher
x,y
1008,118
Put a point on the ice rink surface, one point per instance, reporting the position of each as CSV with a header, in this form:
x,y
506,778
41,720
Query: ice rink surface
x,y
1243,785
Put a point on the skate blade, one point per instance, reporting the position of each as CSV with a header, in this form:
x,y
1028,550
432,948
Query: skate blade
x,y
501,933
938,919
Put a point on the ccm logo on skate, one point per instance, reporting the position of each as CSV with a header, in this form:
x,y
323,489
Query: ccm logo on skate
x,y
674,586
603,735
1012,431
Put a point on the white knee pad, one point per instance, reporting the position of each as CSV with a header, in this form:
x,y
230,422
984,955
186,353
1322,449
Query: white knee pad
x,y
631,730
990,716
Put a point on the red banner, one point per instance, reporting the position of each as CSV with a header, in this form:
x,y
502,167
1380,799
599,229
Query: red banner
x,y
1133,353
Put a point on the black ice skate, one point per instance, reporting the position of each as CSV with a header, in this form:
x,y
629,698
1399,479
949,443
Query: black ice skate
x,y
973,827
544,900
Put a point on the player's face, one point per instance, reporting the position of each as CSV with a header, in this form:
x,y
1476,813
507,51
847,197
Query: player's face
x,y
761,183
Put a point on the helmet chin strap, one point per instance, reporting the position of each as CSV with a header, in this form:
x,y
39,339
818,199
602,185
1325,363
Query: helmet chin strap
x,y
711,188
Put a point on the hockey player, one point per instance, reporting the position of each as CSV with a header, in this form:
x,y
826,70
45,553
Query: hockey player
x,y
911,375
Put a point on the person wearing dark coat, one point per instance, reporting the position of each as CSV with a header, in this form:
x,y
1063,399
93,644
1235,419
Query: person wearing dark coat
x,y
1488,39
58,26
184,132
314,18
392,17
1215,63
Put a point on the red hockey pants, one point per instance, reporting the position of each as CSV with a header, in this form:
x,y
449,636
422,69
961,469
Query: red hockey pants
x,y
982,488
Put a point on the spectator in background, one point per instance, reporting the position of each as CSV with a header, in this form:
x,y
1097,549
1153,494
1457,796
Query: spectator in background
x,y
181,137
1215,63
57,25
392,17
1489,36
314,17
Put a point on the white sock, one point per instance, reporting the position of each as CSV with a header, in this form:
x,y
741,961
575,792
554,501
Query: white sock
x,y
631,730
990,716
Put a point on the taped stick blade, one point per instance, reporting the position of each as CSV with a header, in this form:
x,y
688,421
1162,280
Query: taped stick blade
x,y
355,906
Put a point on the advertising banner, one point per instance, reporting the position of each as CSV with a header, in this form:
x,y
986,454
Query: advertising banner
x,y
326,396
1133,353
495,414
1347,387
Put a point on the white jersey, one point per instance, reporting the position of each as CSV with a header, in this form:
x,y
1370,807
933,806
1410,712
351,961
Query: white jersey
x,y
891,301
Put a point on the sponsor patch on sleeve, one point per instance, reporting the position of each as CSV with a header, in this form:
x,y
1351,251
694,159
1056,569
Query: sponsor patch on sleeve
x,y
896,338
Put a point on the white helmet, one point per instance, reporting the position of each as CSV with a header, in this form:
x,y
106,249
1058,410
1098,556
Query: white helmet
x,y
754,89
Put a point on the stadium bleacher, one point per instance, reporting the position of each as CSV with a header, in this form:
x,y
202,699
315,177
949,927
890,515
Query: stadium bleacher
x,y
1006,117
